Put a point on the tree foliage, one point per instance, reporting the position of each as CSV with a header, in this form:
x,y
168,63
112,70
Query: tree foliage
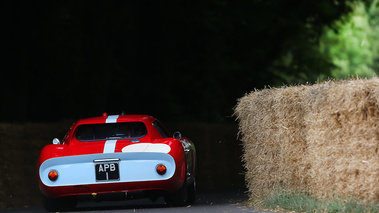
x,y
353,42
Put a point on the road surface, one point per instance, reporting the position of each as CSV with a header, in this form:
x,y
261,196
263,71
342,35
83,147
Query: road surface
x,y
209,202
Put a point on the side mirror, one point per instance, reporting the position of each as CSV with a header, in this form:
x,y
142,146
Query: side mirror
x,y
56,141
177,135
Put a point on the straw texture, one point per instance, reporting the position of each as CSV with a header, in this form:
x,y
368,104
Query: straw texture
x,y
321,138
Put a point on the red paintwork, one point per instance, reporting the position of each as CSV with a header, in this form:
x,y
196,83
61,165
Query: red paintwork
x,y
71,146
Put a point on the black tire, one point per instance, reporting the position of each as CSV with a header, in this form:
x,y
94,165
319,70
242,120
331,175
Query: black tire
x,y
184,196
59,204
191,190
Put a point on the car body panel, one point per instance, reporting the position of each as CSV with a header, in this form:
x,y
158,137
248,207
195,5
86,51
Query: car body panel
x,y
137,166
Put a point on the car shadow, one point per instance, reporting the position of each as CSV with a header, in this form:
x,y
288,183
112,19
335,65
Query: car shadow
x,y
142,203
205,198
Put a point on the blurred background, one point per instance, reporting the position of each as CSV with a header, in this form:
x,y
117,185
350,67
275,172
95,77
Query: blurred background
x,y
175,60
183,62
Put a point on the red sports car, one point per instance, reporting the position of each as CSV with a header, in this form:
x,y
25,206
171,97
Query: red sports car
x,y
128,156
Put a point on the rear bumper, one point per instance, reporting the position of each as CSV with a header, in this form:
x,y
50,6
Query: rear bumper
x,y
137,172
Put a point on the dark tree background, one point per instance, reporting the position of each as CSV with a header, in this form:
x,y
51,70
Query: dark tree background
x,y
171,59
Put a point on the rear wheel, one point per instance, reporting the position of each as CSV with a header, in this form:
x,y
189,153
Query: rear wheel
x,y
59,204
191,192
184,196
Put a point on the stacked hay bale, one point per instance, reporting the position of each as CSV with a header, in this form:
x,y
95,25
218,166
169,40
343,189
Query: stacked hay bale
x,y
321,138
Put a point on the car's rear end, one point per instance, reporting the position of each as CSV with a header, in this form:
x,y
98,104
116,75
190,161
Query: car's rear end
x,y
94,163
109,172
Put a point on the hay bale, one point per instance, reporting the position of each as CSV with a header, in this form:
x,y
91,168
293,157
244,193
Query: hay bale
x,y
321,138
259,160
343,141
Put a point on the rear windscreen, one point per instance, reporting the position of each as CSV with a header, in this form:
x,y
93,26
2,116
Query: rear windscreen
x,y
109,131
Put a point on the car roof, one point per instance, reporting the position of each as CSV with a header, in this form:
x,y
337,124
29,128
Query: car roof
x,y
120,118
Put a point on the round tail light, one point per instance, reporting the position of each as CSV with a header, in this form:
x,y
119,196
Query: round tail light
x,y
53,175
161,169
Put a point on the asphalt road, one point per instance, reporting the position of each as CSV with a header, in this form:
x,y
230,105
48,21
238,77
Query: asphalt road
x,y
210,202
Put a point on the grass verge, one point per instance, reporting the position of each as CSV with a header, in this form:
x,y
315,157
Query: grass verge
x,y
292,201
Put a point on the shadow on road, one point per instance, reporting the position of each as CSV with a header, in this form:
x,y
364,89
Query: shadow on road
x,y
206,201
207,198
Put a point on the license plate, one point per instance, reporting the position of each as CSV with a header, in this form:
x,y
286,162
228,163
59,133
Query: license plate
x,y
107,171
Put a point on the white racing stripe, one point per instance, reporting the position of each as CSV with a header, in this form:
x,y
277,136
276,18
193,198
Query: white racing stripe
x,y
110,145
111,119
147,147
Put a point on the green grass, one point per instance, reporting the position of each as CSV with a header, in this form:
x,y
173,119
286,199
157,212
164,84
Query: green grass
x,y
301,202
